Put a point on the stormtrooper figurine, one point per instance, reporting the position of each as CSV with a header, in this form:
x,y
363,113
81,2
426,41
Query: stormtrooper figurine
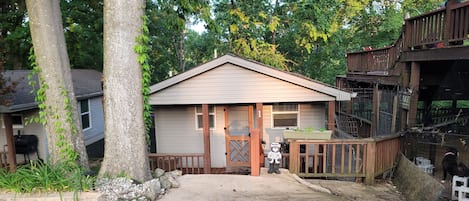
x,y
274,157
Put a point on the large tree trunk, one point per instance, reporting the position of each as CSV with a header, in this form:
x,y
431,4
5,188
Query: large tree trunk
x,y
45,22
125,138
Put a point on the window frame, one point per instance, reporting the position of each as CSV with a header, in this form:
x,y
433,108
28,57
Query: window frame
x,y
273,113
85,113
197,114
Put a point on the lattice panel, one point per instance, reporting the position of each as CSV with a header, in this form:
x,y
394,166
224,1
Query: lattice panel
x,y
239,152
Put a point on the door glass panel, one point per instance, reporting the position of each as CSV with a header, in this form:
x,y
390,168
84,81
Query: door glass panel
x,y
238,124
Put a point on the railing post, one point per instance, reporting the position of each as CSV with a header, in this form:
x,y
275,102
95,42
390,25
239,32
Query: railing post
x,y
294,157
255,152
370,162
10,141
448,19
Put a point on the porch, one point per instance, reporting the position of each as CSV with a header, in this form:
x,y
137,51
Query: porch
x,y
335,158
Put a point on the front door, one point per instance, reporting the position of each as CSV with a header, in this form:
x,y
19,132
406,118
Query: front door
x,y
238,123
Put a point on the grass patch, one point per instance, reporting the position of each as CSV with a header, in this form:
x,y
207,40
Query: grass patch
x,y
44,177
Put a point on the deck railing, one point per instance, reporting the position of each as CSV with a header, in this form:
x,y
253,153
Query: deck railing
x,y
376,60
364,158
3,159
187,163
443,27
440,28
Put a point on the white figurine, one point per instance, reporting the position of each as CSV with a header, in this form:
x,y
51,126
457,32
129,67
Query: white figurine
x,y
274,157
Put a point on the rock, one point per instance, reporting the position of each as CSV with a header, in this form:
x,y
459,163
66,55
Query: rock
x,y
172,179
165,183
176,173
151,189
125,189
158,173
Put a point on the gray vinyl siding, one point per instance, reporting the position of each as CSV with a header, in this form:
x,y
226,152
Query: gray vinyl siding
x,y
96,131
232,84
176,132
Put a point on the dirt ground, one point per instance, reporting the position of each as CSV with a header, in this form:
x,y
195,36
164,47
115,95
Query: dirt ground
x,y
352,191
276,187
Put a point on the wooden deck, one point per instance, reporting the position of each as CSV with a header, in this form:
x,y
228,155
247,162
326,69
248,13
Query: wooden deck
x,y
444,31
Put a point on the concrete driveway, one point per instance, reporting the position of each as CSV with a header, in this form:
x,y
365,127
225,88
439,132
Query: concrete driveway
x,y
272,187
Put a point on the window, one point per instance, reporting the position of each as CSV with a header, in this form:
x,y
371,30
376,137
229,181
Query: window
x,y
211,116
85,114
285,115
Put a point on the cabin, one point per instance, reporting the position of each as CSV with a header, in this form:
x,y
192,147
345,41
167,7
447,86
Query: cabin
x,y
224,114
30,138
417,88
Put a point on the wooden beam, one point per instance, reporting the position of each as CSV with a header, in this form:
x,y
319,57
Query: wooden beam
x,y
394,113
10,144
438,54
206,132
370,163
414,97
331,116
260,126
254,152
375,112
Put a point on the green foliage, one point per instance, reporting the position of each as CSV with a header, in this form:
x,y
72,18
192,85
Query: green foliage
x,y
15,39
40,97
44,177
142,50
83,30
66,150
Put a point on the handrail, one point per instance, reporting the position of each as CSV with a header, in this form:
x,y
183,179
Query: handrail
x,y
443,27
188,163
344,157
381,59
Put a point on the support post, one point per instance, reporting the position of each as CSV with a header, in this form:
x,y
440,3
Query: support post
x,y
260,125
10,144
414,97
375,112
255,155
370,162
395,102
206,131
331,116
294,157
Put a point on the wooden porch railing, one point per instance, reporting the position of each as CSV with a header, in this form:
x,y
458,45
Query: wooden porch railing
x,y
3,160
364,158
439,28
187,163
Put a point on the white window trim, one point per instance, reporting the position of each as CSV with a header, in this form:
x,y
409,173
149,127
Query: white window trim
x,y
15,126
289,112
210,113
84,113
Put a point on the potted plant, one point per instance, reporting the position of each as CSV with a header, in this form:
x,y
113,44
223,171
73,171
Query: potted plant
x,y
307,134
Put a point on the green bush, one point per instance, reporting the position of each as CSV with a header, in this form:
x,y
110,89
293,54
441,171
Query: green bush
x,y
44,177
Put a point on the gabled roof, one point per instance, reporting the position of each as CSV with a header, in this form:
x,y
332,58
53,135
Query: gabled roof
x,y
86,84
334,93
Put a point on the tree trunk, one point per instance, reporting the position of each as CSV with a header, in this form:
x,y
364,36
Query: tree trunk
x,y
62,117
125,138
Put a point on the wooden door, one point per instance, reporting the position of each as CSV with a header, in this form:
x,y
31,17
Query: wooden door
x,y
238,123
